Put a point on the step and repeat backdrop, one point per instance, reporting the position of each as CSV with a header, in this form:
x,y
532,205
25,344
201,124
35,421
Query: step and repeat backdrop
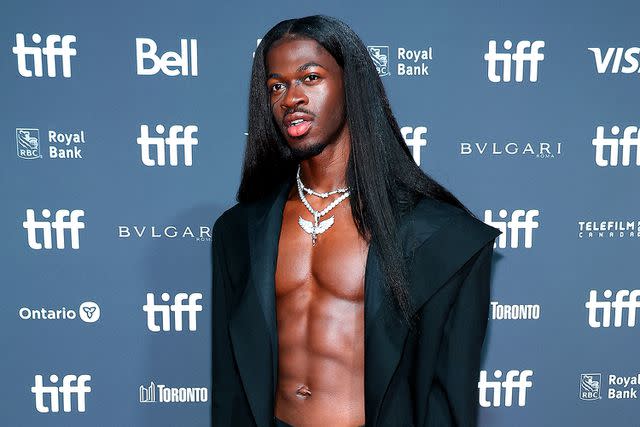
x,y
123,129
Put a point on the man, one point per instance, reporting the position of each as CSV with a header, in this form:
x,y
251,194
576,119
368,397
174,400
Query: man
x,y
349,287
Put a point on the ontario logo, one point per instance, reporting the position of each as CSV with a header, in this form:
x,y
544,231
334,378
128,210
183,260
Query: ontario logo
x,y
28,143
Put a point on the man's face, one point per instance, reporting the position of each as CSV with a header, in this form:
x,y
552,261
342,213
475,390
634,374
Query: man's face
x,y
304,81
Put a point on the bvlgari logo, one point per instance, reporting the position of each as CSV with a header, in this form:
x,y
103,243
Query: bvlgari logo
x,y
199,233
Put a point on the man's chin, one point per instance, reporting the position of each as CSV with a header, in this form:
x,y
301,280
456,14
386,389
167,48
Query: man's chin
x,y
307,151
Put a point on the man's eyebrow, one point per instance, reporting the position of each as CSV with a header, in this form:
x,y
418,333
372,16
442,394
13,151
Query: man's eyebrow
x,y
300,68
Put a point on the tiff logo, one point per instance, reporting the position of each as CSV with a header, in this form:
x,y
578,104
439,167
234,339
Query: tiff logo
x,y
615,145
67,389
515,224
178,307
186,140
514,380
626,301
50,51
415,141
170,63
65,220
519,57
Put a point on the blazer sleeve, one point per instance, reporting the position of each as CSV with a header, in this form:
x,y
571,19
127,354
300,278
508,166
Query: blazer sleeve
x,y
222,361
453,398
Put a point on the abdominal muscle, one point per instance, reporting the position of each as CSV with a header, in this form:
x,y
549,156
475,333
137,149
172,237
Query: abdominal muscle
x,y
320,356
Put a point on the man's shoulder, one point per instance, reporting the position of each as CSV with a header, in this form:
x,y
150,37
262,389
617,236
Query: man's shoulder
x,y
432,219
232,221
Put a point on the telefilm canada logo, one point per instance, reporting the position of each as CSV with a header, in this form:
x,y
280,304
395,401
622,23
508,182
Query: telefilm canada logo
x,y
47,397
517,227
408,62
614,387
617,151
511,149
502,65
88,312
31,59
160,393
62,145
503,390
608,229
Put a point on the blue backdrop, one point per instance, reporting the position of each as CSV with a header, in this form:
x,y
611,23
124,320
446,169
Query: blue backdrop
x,y
123,130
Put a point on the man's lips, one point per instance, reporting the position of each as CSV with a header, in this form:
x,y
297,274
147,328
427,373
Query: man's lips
x,y
295,116
299,129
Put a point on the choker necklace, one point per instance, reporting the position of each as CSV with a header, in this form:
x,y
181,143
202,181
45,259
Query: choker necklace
x,y
316,227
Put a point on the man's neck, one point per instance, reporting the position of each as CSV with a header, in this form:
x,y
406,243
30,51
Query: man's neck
x,y
327,170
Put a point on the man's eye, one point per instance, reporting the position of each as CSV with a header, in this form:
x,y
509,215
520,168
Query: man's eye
x,y
313,75
273,86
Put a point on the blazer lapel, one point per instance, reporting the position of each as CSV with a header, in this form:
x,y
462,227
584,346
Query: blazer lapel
x,y
252,325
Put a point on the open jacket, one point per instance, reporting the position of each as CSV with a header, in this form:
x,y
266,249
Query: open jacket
x,y
423,377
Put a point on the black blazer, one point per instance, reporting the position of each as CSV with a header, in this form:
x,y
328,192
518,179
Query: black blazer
x,y
426,377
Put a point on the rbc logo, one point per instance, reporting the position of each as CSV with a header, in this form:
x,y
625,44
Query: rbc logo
x,y
178,307
173,141
28,143
514,225
170,63
519,57
50,51
65,220
626,143
380,57
80,389
590,386
416,141
514,380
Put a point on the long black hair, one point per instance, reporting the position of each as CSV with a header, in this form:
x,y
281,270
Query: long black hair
x,y
384,179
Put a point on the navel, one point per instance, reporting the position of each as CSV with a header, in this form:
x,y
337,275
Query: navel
x,y
303,392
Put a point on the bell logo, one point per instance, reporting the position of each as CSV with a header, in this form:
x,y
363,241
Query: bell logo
x,y
65,220
170,63
514,225
67,389
178,307
186,140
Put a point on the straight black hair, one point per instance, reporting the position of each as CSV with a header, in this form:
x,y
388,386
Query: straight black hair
x,y
384,179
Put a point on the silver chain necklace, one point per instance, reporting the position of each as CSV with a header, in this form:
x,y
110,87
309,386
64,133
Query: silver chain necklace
x,y
317,227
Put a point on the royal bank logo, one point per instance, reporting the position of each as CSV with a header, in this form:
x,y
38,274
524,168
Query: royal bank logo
x,y
611,60
160,393
88,312
51,51
28,143
179,136
517,227
380,57
595,386
527,52
590,386
538,150
172,64
72,386
62,145
607,149
501,391
414,138
408,62
40,233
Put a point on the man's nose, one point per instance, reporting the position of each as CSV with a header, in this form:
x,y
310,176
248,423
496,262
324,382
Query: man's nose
x,y
295,96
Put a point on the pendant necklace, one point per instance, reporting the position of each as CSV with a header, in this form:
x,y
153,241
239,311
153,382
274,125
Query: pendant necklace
x,y
317,227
